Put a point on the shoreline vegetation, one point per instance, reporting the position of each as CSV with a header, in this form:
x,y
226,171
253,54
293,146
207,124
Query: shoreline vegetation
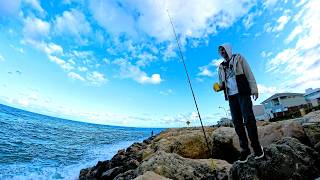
x,y
292,151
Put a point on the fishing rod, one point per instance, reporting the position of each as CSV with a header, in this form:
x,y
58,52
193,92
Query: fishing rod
x,y
190,85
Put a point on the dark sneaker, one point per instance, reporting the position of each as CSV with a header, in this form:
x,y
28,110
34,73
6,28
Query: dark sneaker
x,y
244,155
259,154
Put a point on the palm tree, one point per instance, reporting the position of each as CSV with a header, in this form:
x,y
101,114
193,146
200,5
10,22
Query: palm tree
x,y
188,123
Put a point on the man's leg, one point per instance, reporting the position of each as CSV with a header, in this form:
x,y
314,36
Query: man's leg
x,y
250,121
238,122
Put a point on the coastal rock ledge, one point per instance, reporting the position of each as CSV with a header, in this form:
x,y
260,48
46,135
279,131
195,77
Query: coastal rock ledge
x,y
292,151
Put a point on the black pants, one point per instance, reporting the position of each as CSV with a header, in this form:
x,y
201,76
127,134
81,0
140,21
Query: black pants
x,y
242,116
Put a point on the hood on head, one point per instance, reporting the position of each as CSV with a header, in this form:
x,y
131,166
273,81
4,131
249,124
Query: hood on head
x,y
228,49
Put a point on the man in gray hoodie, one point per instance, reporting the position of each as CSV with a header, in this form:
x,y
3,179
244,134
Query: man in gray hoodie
x,y
238,84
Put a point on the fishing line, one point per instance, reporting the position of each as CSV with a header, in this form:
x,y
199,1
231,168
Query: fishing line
x,y
186,70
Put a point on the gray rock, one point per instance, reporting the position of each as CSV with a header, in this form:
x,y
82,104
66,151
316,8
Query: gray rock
x,y
225,144
286,159
312,131
150,175
173,166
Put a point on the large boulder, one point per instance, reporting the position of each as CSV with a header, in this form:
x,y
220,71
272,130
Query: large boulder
x,y
277,130
312,131
225,144
173,166
187,142
285,159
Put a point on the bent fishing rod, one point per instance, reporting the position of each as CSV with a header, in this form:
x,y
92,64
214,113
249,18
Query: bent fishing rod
x,y
189,81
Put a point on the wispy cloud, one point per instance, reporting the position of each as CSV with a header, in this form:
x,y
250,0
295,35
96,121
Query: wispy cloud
x,y
269,3
300,63
72,23
280,24
166,92
1,58
266,89
35,4
248,20
210,69
96,78
128,70
75,76
35,29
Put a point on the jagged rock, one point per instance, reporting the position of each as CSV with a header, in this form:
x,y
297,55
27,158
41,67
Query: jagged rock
x,y
171,165
128,175
187,142
286,159
86,174
225,144
150,175
112,173
277,130
312,130
94,172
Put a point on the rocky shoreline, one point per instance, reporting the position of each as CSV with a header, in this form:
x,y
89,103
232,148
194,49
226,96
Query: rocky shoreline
x,y
292,151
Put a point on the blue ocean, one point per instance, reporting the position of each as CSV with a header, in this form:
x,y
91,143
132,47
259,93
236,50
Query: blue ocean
x,y
34,146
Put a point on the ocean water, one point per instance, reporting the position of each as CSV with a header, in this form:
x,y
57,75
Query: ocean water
x,y
34,146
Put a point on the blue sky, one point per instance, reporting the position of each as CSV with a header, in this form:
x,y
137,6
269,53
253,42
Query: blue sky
x,y
116,62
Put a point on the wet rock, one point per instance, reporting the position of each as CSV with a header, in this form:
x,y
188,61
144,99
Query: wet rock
x,y
286,159
94,172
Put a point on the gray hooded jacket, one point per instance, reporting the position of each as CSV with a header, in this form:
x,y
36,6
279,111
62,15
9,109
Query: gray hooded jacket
x,y
245,80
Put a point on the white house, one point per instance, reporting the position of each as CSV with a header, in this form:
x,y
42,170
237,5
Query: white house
x,y
313,96
280,104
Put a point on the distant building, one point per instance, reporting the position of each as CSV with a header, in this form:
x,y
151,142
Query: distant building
x,y
312,96
282,104
259,113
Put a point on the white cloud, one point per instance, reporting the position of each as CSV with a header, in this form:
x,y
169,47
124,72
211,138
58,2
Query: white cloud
x,y
298,66
63,64
270,3
127,70
21,50
110,19
265,54
166,92
248,20
75,76
193,18
82,69
297,30
34,4
96,78
209,69
35,29
266,89
205,72
72,23
282,21
52,49
154,79
1,58
145,59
